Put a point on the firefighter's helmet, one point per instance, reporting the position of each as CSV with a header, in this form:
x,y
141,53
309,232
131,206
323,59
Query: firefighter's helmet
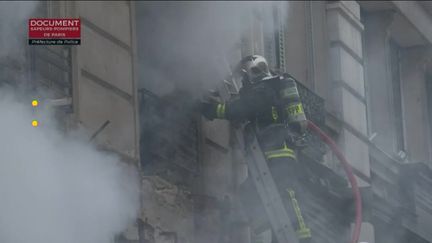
x,y
254,68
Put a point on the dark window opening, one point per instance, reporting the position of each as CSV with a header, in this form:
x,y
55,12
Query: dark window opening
x,y
397,99
51,68
169,137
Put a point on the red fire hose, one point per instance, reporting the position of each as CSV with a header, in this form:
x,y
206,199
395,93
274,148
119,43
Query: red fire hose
x,y
347,168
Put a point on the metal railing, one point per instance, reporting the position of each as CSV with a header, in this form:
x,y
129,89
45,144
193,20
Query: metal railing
x,y
315,111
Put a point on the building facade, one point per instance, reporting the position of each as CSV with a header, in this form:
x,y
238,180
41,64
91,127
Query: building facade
x,y
365,73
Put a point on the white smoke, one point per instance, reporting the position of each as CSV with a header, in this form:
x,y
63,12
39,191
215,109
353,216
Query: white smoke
x,y
13,39
191,45
13,25
56,188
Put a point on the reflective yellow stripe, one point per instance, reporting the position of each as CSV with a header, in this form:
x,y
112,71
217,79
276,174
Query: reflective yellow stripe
x,y
220,111
303,231
295,109
280,153
275,115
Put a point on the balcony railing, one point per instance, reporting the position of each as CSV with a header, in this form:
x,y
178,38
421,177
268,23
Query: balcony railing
x,y
315,111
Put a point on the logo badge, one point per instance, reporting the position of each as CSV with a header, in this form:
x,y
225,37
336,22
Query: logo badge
x,y
46,31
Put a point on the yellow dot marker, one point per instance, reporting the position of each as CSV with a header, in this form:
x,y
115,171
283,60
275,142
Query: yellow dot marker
x,y
35,103
35,123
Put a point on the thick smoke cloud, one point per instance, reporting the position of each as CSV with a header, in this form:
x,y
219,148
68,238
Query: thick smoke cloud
x,y
188,45
13,26
58,189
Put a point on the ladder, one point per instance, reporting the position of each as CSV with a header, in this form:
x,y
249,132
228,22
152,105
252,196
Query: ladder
x,y
266,187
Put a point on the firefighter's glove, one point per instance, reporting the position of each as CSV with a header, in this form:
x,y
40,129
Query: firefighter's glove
x,y
298,128
208,109
300,141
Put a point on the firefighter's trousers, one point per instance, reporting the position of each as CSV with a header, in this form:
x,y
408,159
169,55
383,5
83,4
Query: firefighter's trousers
x,y
286,172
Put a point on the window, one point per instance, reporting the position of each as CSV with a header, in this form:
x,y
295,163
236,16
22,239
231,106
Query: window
x,y
396,98
51,67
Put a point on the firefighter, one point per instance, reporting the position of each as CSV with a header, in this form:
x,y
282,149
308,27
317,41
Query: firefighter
x,y
271,103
